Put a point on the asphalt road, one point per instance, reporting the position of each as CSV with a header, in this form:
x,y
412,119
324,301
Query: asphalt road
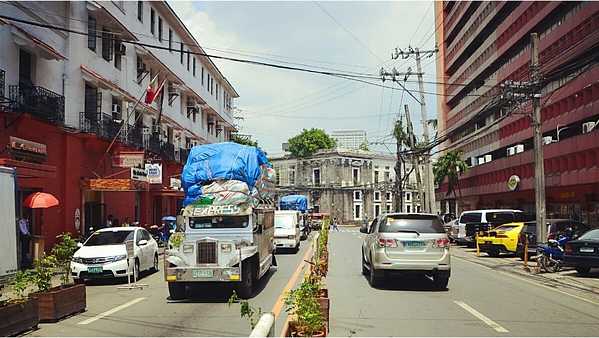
x,y
149,312
478,302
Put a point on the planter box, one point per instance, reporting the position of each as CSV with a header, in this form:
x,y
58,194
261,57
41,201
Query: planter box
x,y
289,330
325,304
60,302
18,318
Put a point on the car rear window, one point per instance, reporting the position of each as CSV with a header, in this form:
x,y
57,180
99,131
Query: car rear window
x,y
500,217
471,217
591,235
420,223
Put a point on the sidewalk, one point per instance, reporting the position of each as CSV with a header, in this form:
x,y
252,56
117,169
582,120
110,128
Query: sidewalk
x,y
566,279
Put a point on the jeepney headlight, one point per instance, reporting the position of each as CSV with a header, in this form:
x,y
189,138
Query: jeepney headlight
x,y
187,248
226,247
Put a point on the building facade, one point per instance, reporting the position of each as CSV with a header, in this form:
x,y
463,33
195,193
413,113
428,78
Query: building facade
x,y
349,139
74,112
350,186
483,44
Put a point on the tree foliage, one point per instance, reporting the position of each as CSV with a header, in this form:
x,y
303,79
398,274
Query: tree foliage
x,y
245,140
310,141
364,146
450,166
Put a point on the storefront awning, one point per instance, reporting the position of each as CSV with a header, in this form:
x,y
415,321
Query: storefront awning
x,y
114,184
28,169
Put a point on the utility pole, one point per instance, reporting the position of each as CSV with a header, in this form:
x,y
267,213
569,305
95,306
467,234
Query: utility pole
x,y
415,162
538,139
430,204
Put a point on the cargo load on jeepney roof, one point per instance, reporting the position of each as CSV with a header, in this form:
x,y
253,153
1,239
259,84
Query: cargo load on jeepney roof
x,y
294,202
227,173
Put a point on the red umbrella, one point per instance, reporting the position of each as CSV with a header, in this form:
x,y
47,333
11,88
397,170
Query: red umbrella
x,y
40,200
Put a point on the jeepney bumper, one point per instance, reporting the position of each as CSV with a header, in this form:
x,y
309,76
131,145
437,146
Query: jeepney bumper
x,y
203,274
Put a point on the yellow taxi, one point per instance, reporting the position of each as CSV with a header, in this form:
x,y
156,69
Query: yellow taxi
x,y
503,238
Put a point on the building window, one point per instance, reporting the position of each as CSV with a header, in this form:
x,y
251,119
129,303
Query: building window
x,y
316,176
356,175
91,31
376,176
291,175
418,208
377,196
211,85
119,48
217,92
194,67
107,45
277,175
160,29
408,197
152,21
181,52
388,207
188,59
170,40
357,195
140,11
387,176
141,67
357,211
202,76
388,196
408,208
377,210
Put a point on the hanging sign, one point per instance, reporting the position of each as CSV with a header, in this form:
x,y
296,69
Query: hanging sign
x,y
138,174
154,173
513,182
128,159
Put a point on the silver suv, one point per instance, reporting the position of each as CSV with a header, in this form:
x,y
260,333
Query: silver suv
x,y
399,242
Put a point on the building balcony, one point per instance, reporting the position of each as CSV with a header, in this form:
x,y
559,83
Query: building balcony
x,y
37,101
168,151
135,136
100,124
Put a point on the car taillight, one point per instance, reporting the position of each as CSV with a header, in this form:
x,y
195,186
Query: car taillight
x,y
568,249
387,243
501,236
441,243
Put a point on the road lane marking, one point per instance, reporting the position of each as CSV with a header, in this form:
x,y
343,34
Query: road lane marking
x,y
482,317
276,309
529,281
111,311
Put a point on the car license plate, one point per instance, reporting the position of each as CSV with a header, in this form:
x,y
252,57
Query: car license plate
x,y
488,242
587,250
94,269
202,273
413,244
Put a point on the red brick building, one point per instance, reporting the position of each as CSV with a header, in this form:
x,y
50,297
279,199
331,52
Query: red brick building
x,y
482,44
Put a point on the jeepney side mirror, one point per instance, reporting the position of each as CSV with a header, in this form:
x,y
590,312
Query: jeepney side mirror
x,y
180,223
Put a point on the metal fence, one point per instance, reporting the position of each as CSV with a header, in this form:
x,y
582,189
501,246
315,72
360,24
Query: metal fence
x,y
37,101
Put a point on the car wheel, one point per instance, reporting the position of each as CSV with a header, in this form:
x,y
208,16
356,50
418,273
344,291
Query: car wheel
x,y
364,268
176,290
583,270
440,280
494,252
155,266
246,286
375,277
297,247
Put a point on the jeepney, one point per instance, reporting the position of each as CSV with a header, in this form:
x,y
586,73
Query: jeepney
x,y
220,243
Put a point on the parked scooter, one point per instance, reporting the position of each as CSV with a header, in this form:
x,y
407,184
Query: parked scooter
x,y
550,256
157,235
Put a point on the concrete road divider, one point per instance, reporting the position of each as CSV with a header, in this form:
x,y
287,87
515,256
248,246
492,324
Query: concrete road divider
x,y
265,326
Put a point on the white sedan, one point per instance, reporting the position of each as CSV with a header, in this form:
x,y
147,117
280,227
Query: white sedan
x,y
104,255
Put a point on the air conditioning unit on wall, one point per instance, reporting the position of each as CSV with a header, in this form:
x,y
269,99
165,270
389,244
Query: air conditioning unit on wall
x,y
547,139
511,151
587,127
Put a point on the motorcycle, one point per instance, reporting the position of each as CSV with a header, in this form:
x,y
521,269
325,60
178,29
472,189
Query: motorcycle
x,y
551,255
157,235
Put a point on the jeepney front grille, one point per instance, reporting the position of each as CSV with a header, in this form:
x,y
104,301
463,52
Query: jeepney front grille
x,y
207,252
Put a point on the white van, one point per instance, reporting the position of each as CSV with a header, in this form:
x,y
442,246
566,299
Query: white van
x,y
287,229
464,234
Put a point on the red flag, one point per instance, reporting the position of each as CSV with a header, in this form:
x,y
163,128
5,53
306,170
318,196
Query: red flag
x,y
152,91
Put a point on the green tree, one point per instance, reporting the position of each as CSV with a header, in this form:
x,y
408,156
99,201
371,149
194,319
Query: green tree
x,y
364,146
310,141
245,140
450,166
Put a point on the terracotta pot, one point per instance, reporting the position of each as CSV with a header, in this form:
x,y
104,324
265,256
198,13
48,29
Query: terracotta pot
x,y
18,318
60,302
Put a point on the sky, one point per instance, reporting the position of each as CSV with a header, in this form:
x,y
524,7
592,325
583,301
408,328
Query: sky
x,y
341,36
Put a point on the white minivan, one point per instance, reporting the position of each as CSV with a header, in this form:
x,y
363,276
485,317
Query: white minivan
x,y
464,230
287,229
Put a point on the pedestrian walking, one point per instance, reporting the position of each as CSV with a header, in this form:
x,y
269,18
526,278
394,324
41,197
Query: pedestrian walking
x,y
335,227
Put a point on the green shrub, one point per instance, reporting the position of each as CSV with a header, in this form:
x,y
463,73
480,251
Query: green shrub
x,y
63,254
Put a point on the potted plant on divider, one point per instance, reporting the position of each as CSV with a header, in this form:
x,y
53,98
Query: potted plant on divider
x,y
66,299
307,319
246,310
20,313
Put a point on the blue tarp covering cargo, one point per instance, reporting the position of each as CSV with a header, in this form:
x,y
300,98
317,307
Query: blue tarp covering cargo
x,y
221,161
294,202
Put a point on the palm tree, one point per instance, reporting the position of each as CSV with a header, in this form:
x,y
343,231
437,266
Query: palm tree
x,y
450,166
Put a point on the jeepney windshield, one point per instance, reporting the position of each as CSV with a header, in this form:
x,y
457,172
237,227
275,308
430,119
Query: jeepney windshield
x,y
219,222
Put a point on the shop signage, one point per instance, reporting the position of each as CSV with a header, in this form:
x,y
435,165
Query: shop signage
x,y
128,159
26,150
154,173
138,174
175,183
114,184
513,182
77,219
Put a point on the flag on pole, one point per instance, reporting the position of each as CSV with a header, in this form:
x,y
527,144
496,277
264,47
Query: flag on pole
x,y
154,89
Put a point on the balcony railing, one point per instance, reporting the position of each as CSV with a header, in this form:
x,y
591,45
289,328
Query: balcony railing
x,y
135,136
152,143
168,151
100,124
37,101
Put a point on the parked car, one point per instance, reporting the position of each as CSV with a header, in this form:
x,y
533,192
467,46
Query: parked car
x,y
503,238
583,252
287,230
316,220
555,227
103,255
399,242
471,222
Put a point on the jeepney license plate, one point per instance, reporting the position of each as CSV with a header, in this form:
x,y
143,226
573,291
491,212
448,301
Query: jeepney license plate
x,y
94,269
201,273
587,250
